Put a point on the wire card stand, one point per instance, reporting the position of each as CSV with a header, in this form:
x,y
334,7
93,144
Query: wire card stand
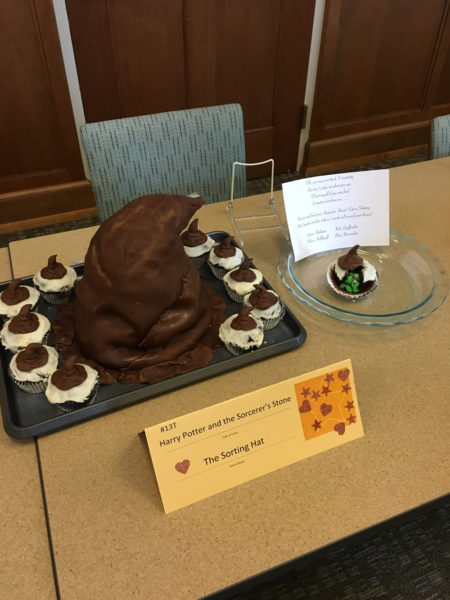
x,y
244,221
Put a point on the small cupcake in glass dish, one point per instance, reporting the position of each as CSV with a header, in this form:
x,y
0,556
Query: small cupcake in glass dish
x,y
224,257
351,276
23,329
30,368
15,296
73,385
242,332
240,281
55,281
266,306
197,244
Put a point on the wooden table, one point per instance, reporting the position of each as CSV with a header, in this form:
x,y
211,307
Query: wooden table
x,y
111,538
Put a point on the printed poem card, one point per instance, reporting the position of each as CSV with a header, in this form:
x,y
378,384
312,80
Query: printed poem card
x,y
225,445
337,211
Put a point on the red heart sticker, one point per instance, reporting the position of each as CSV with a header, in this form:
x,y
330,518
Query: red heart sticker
x,y
305,406
182,467
343,374
340,428
325,409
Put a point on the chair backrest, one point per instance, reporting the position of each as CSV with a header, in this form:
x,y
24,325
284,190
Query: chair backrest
x,y
177,152
440,137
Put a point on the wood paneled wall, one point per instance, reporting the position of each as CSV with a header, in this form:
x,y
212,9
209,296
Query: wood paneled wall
x,y
147,56
39,144
384,72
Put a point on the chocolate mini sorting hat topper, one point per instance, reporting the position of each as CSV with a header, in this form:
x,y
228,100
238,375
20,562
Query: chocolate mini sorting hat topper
x,y
54,269
25,321
193,236
69,375
244,272
33,356
14,293
225,248
261,297
243,321
351,260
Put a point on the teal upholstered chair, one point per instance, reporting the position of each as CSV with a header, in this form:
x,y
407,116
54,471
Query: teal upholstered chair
x,y
178,152
440,137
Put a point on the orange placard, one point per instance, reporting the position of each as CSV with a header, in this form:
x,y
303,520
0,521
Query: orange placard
x,y
211,450
326,403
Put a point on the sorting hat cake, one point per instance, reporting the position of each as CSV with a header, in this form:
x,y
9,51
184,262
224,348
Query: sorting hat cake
x,y
352,276
141,310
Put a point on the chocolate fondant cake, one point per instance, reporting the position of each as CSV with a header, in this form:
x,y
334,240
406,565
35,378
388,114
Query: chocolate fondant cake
x,y
141,312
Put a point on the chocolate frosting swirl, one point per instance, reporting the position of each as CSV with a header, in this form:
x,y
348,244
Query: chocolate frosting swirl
x,y
53,270
262,298
351,260
24,322
193,236
32,357
243,320
225,249
14,293
69,375
244,273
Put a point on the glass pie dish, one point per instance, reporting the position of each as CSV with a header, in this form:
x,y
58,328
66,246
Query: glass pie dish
x,y
412,283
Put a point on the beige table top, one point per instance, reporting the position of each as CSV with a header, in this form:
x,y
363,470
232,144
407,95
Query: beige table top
x,y
111,537
25,564
5,269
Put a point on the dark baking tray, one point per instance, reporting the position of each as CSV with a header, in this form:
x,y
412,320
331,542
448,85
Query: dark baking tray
x,y
27,415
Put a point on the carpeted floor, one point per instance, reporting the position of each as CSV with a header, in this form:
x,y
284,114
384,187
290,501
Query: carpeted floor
x,y
408,561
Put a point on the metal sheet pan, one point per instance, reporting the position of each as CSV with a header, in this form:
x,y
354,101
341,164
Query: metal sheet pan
x,y
29,415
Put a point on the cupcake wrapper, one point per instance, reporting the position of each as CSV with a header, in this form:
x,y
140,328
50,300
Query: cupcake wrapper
x,y
237,350
56,297
69,407
31,387
274,321
239,298
348,295
217,271
199,261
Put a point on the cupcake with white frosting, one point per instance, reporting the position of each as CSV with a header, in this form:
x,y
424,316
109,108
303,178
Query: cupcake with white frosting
x,y
242,332
197,244
73,385
351,276
224,257
25,328
31,367
55,281
239,282
266,306
15,296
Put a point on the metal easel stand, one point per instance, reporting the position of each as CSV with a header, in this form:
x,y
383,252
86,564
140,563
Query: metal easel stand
x,y
242,222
